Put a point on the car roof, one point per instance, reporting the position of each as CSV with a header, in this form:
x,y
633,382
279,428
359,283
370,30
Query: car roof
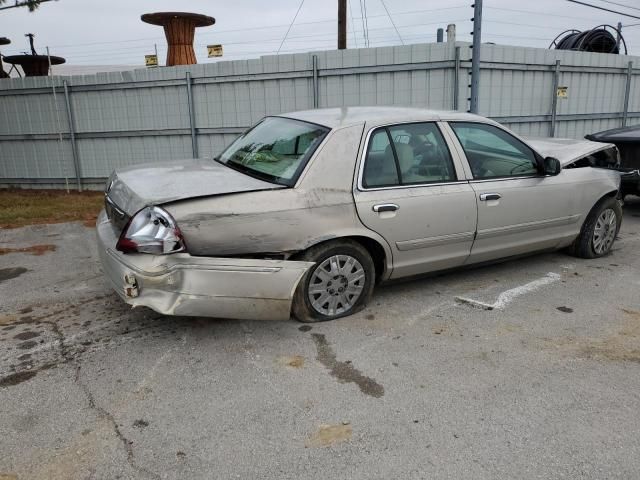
x,y
347,116
617,135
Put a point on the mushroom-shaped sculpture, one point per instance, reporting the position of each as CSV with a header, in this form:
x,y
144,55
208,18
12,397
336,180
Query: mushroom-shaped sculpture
x,y
34,65
3,41
179,28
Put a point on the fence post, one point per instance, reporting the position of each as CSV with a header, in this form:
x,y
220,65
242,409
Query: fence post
x,y
314,62
456,78
72,135
475,56
625,112
554,99
192,118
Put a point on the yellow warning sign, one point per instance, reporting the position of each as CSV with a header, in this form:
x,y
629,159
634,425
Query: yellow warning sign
x,y
214,50
151,60
562,92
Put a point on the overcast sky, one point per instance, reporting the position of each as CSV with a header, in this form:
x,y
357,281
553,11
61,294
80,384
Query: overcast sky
x,y
93,32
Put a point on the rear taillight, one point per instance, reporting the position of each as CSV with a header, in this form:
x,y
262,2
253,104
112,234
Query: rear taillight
x,y
151,230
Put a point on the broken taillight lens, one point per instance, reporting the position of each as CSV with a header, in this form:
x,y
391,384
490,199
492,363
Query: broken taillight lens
x,y
151,230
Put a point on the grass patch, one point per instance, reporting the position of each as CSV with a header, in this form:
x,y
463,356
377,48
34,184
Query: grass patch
x,y
19,208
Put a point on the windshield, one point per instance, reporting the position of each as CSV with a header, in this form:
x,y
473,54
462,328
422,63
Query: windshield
x,y
276,149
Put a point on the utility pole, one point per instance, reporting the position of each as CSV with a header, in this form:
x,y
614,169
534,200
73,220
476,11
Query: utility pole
x,y
342,24
475,56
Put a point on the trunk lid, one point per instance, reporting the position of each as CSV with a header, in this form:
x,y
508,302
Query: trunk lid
x,y
133,188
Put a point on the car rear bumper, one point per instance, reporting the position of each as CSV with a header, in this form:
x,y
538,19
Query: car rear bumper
x,y
180,284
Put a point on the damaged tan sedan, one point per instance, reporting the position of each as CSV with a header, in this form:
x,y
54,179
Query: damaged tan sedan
x,y
307,211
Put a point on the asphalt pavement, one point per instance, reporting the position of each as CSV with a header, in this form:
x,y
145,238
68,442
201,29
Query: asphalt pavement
x,y
525,369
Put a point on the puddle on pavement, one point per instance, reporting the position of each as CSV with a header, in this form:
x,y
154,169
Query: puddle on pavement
x,y
17,378
293,361
344,371
9,273
26,335
328,435
27,345
33,250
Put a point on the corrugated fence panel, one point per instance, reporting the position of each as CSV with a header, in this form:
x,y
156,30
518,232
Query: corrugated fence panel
x,y
126,118
109,153
38,159
32,114
130,109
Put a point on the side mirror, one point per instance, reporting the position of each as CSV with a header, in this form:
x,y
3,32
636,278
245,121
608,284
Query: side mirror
x,y
551,166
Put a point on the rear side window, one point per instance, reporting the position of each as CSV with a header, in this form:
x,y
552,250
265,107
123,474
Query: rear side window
x,y
380,169
407,154
275,150
493,153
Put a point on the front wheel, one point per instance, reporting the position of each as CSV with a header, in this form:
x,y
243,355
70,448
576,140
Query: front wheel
x,y
339,284
599,230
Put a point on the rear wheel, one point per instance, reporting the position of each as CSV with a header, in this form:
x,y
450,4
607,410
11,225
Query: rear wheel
x,y
599,230
339,284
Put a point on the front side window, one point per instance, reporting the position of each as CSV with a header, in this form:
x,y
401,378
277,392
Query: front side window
x,y
493,153
407,154
275,150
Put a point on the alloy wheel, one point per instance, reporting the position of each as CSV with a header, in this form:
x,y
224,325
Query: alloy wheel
x,y
336,285
604,232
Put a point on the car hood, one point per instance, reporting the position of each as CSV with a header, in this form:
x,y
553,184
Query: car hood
x,y
133,188
567,150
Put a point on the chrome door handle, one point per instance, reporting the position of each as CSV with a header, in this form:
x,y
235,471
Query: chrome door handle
x,y
385,207
484,197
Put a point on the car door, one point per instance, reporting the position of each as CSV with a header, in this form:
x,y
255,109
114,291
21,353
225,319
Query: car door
x,y
412,191
519,209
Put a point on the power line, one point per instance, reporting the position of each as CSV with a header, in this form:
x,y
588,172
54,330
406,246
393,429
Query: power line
x,y
364,36
542,14
265,27
89,52
353,25
391,19
306,38
366,21
291,25
620,4
325,44
502,22
602,8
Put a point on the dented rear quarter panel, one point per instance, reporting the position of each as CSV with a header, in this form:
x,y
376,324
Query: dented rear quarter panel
x,y
320,207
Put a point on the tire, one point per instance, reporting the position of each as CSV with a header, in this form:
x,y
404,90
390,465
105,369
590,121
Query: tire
x,y
338,293
596,238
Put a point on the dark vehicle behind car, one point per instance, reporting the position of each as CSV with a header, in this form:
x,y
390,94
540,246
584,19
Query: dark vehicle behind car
x,y
627,140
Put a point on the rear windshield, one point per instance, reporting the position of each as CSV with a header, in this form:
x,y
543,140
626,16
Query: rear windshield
x,y
275,150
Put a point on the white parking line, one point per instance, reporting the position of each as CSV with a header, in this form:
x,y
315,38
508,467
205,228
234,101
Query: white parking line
x,y
506,297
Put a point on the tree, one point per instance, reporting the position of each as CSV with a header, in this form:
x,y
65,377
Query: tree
x,y
30,4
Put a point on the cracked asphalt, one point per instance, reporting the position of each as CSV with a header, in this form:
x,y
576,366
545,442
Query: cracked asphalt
x,y
419,385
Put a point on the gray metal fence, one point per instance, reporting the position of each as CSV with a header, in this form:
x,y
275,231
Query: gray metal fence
x,y
95,123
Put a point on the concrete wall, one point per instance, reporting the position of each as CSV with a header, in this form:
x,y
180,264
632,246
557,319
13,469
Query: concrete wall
x,y
125,118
